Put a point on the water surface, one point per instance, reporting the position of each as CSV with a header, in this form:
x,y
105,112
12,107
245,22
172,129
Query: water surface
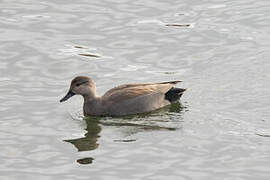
x,y
219,48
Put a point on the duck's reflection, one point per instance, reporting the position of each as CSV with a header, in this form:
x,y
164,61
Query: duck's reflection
x,y
89,142
133,124
87,160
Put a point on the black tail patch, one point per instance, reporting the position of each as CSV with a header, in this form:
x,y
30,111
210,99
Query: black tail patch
x,y
174,94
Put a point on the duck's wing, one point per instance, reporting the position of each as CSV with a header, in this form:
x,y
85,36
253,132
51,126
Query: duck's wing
x,y
136,98
139,88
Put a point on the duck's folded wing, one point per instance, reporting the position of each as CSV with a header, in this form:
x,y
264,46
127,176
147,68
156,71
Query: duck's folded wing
x,y
137,87
130,99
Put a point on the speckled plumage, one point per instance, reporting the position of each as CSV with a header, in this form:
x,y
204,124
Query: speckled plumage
x,y
124,99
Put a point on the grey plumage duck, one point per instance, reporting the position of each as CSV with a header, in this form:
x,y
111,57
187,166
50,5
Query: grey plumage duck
x,y
124,99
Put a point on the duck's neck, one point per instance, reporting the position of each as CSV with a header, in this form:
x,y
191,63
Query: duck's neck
x,y
90,97
92,105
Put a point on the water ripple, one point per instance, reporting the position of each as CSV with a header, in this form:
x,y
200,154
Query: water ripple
x,y
222,57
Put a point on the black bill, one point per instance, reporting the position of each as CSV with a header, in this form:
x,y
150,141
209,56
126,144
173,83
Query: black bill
x,y
67,96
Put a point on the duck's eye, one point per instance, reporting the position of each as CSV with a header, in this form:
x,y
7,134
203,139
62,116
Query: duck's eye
x,y
78,84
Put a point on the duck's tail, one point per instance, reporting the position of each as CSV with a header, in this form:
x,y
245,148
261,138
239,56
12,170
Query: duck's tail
x,y
174,94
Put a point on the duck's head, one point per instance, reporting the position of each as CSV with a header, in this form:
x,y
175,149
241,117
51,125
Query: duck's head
x,y
81,85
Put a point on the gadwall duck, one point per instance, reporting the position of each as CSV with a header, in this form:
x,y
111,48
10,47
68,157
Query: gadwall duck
x,y
124,99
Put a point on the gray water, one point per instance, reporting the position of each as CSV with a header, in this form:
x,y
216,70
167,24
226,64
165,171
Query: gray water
x,y
219,48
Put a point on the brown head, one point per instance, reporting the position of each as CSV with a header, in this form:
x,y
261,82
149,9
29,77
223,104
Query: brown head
x,y
81,85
